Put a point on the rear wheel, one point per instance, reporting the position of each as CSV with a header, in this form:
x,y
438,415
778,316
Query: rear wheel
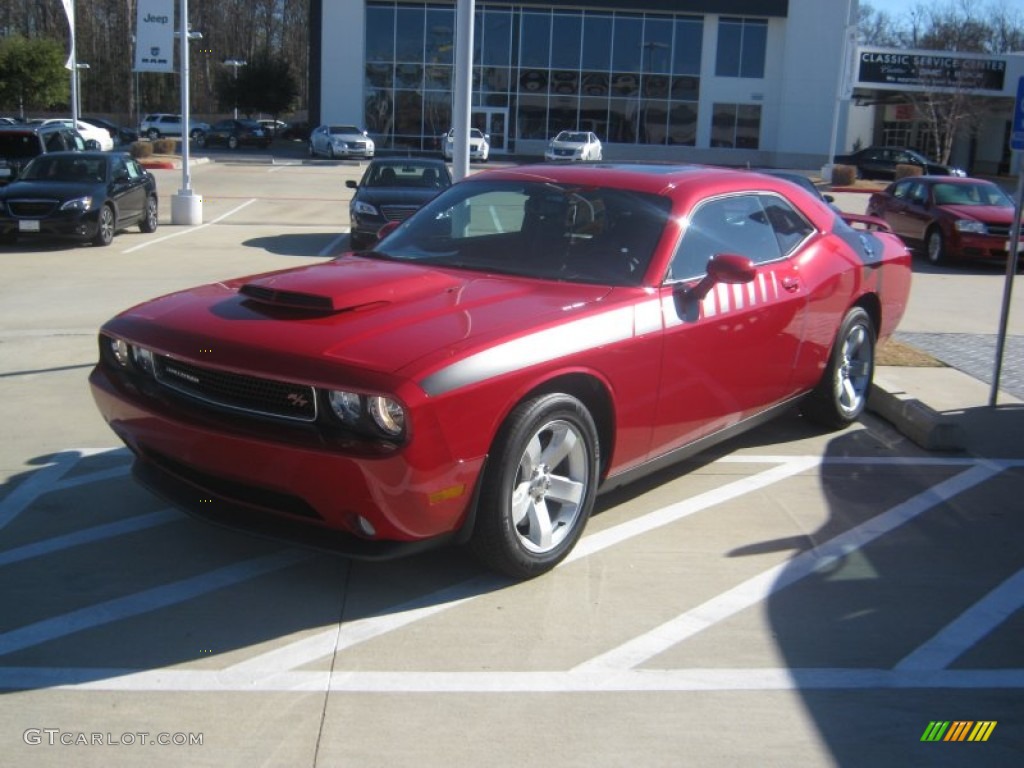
x,y
330,151
201,140
232,142
538,488
105,229
935,246
153,134
312,150
150,219
842,393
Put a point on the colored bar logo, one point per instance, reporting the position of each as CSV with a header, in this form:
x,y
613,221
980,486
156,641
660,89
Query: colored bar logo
x,y
959,730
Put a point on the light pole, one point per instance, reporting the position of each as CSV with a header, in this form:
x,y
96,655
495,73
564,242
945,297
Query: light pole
x,y
186,206
235,64
79,66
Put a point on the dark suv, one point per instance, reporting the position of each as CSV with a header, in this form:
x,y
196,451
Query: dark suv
x,y
20,143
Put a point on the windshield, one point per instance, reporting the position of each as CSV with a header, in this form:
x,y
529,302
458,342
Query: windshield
x,y
406,175
971,194
580,138
340,130
50,168
535,229
18,145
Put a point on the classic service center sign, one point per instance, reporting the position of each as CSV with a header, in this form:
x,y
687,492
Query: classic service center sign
x,y
922,70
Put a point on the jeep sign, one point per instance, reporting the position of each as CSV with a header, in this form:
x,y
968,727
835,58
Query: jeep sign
x,y
154,36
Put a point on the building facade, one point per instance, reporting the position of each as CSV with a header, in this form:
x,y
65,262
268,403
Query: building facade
x,y
732,82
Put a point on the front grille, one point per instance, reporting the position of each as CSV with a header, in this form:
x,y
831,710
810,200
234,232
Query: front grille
x,y
33,209
263,397
398,212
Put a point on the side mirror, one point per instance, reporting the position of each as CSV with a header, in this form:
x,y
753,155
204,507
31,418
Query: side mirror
x,y
351,184
92,144
723,268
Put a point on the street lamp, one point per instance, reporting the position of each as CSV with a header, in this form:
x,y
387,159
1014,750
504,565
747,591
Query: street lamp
x,y
186,206
235,64
79,66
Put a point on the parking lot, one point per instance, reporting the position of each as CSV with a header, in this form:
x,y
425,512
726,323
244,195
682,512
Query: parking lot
x,y
795,598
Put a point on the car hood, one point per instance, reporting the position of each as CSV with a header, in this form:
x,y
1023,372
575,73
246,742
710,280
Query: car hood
x,y
395,195
362,314
61,190
995,214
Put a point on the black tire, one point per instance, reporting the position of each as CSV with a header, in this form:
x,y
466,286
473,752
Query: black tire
x,y
935,246
232,142
201,140
151,216
153,134
9,238
105,229
842,394
539,486
312,150
330,151
198,134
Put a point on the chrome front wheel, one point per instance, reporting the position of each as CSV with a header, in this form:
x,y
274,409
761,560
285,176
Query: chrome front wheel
x,y
842,393
539,486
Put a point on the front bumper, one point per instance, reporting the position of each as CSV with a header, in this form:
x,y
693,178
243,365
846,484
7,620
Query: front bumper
x,y
79,226
298,487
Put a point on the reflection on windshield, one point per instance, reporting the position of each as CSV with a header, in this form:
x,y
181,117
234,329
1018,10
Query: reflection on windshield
x,y
970,194
534,229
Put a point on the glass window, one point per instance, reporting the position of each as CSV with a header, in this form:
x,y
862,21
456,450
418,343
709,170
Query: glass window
x,y
409,28
742,45
379,112
653,127
687,48
597,42
380,33
736,126
628,44
657,47
567,33
562,115
408,76
497,34
682,124
532,116
379,75
535,45
686,88
622,118
438,77
736,224
440,34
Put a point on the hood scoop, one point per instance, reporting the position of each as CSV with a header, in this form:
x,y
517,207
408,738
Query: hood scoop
x,y
346,286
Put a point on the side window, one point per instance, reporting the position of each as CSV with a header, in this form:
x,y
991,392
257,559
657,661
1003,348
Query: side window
x,y
737,224
54,142
134,171
900,190
791,228
118,168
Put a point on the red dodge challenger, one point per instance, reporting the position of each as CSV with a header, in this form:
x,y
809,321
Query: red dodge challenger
x,y
530,337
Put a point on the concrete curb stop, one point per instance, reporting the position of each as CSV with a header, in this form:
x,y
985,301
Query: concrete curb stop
x,y
920,423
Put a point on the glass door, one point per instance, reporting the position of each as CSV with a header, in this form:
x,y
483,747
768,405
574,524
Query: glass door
x,y
494,122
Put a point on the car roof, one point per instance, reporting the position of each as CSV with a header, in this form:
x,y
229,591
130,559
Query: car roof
x,y
423,162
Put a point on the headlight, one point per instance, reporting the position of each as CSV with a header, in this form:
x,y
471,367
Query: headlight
x,y
347,406
388,414
119,348
970,225
144,359
364,208
78,204
376,415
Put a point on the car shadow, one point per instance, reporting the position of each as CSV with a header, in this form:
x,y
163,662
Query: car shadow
x,y
101,578
304,244
860,612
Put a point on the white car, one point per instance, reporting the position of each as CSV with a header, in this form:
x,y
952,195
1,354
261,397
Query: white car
x,y
579,146
161,124
340,141
479,145
89,131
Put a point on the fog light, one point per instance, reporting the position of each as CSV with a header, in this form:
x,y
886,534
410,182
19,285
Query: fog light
x,y
143,359
365,527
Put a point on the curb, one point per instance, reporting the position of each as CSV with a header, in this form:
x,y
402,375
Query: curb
x,y
920,423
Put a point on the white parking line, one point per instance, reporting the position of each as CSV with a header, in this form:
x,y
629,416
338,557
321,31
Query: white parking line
x,y
191,229
971,626
145,601
760,587
614,670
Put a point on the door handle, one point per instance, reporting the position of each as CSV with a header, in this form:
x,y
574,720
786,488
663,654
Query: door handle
x,y
791,284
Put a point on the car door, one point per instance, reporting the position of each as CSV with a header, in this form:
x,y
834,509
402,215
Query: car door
x,y
127,190
904,208
731,353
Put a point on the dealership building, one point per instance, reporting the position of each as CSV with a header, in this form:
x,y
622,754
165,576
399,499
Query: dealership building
x,y
733,82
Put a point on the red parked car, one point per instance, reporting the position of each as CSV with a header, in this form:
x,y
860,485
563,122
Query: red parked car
x,y
528,338
955,218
